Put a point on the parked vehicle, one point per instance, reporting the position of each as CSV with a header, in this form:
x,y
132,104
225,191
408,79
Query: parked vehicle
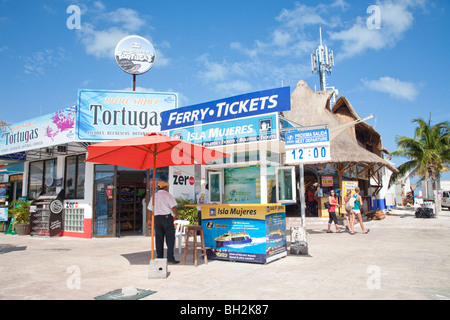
x,y
446,199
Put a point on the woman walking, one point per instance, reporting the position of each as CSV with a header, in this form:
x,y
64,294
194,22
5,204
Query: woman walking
x,y
356,211
332,212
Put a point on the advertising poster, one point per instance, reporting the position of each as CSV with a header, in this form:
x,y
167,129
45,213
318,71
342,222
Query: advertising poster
x,y
49,130
327,181
3,214
247,233
242,185
112,115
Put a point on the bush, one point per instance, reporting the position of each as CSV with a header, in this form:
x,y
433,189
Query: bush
x,y
20,209
185,212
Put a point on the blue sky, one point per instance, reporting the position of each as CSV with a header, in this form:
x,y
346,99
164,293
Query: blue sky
x,y
208,50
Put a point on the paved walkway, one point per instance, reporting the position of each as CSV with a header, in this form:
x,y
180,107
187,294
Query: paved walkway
x,y
400,258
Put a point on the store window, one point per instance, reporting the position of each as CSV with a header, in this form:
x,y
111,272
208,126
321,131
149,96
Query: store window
x,y
42,177
75,176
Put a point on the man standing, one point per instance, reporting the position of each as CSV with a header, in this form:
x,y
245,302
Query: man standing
x,y
165,206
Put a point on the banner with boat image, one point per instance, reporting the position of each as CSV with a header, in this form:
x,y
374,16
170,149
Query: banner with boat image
x,y
246,232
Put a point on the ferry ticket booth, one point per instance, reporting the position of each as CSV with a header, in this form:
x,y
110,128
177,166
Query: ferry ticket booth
x,y
105,201
245,218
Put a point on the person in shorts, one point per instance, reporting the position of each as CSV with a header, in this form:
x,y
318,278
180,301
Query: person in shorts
x,y
332,199
357,209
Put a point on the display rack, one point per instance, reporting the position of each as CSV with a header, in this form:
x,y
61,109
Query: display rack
x,y
130,197
47,215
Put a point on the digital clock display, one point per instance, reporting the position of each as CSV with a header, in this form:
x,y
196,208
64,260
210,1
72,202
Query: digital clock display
x,y
308,154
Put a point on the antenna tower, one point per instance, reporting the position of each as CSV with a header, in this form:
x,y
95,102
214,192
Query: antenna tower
x,y
322,62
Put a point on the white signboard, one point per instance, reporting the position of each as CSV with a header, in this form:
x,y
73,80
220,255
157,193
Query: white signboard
x,y
308,146
44,131
135,55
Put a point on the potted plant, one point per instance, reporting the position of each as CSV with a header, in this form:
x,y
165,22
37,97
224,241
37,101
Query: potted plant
x,y
20,210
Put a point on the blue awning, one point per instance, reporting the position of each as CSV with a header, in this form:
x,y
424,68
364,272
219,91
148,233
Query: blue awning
x,y
13,168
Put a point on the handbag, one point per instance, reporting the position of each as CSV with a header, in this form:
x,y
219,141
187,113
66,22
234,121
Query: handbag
x,y
327,205
350,204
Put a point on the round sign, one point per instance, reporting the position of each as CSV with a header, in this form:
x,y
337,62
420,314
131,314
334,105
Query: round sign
x,y
135,55
56,206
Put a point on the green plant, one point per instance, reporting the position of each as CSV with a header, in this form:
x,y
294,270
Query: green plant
x,y
186,212
20,209
428,152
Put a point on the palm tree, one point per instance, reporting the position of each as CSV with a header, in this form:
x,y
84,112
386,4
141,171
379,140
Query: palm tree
x,y
428,152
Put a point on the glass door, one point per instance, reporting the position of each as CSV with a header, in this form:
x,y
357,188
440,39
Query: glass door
x,y
285,180
215,179
104,221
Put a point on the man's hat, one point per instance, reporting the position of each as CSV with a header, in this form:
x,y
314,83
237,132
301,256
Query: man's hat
x,y
162,184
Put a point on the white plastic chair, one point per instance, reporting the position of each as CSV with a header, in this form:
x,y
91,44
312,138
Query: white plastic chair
x,y
180,230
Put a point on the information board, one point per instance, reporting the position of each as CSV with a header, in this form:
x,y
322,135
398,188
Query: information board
x,y
307,146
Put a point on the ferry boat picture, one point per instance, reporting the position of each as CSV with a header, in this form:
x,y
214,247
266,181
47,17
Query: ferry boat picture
x,y
276,234
231,238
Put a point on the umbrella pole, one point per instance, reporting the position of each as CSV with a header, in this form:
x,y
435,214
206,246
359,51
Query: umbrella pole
x,y
153,207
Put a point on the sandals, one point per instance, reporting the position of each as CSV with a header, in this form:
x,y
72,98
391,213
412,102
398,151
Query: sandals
x,y
367,231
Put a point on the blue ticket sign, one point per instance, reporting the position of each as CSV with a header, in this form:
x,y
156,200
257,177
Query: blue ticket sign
x,y
307,137
246,105
245,130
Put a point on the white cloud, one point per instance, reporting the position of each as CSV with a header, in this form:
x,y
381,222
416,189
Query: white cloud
x,y
393,87
268,61
396,18
38,62
233,87
100,38
100,43
290,38
223,77
129,19
283,53
212,71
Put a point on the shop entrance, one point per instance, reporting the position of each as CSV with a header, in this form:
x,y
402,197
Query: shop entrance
x,y
130,201
120,200
312,205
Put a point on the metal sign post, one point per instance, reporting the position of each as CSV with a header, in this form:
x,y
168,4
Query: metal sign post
x,y
134,55
305,146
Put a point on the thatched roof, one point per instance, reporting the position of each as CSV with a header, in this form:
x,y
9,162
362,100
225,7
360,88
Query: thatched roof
x,y
345,112
310,108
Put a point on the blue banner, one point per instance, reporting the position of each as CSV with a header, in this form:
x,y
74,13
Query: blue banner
x,y
251,104
246,130
307,137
